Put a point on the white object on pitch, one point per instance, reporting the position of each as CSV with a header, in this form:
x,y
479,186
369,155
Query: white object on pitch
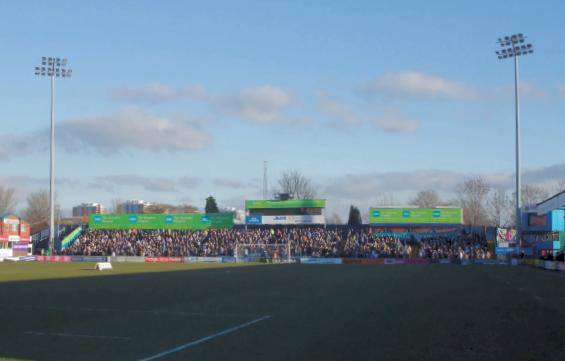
x,y
101,266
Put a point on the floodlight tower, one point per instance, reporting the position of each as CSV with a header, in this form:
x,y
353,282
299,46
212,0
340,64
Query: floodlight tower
x,y
265,190
512,47
52,67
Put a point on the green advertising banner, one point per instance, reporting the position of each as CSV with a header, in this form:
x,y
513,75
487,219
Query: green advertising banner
x,y
415,216
160,221
291,203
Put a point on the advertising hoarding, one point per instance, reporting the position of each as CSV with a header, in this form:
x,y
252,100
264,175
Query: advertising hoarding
x,y
290,203
290,219
415,216
160,221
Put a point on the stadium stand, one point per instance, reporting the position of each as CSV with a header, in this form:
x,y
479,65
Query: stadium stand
x,y
355,242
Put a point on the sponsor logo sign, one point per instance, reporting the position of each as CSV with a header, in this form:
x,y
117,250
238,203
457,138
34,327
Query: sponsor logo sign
x,y
415,216
163,259
20,247
290,203
27,259
506,250
374,261
303,219
315,260
89,258
161,221
561,266
418,261
53,258
253,219
203,259
126,259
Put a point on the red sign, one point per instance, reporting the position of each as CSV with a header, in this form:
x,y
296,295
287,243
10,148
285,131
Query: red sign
x,y
53,258
25,239
163,259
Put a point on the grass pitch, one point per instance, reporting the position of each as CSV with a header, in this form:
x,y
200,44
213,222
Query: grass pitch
x,y
63,311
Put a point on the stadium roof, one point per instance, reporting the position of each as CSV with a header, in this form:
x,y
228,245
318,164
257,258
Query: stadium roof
x,y
555,202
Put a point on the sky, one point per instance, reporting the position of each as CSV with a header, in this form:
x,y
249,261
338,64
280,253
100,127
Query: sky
x,y
173,101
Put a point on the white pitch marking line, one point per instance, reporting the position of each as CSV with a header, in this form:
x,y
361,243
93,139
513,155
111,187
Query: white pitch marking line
x,y
204,339
62,334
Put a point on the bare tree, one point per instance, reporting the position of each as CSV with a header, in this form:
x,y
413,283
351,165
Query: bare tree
x,y
426,199
532,194
334,218
37,209
7,200
297,184
117,205
160,208
471,196
500,208
385,200
560,187
187,208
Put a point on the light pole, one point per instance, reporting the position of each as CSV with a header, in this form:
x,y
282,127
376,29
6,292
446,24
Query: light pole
x,y
52,67
512,47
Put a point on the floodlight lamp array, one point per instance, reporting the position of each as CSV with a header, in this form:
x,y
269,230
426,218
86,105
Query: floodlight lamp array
x,y
55,67
512,46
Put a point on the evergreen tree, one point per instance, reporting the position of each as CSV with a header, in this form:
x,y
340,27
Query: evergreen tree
x,y
211,206
354,216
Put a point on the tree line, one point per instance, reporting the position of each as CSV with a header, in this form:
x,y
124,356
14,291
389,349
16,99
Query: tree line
x,y
482,203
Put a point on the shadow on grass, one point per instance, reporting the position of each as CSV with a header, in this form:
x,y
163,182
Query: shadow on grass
x,y
318,312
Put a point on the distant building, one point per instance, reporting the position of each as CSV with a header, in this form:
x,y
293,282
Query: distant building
x,y
134,206
14,236
84,209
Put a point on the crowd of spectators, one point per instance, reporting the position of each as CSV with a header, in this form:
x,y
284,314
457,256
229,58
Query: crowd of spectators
x,y
304,241
361,244
462,247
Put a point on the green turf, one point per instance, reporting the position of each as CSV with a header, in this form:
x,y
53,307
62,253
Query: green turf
x,y
319,312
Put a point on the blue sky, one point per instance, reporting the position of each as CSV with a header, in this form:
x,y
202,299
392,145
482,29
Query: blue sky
x,y
172,101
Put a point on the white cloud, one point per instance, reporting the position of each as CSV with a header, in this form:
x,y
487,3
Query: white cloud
x,y
130,129
228,183
264,104
342,113
391,120
156,92
528,89
159,184
189,182
16,145
412,84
